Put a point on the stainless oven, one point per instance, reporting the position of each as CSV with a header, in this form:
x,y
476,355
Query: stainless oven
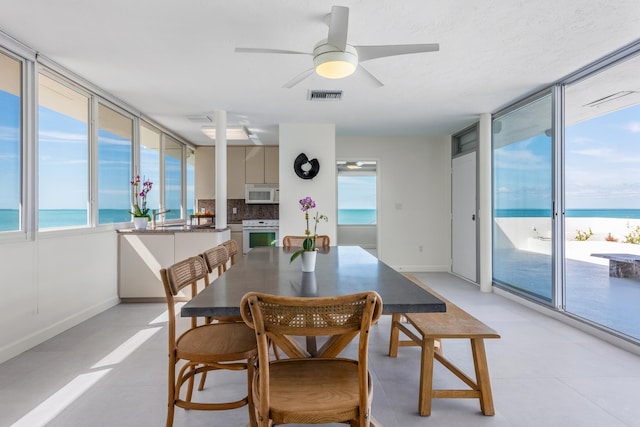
x,y
259,232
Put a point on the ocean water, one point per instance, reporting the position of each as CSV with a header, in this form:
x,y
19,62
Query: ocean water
x,y
569,213
50,218
356,216
53,218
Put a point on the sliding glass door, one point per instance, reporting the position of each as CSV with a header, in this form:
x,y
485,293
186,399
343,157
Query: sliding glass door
x,y
602,198
522,199
587,263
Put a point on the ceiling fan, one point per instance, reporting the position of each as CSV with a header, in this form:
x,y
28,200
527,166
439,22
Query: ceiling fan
x,y
334,58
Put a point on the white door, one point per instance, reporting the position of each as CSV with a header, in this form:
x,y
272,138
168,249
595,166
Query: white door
x,y
463,219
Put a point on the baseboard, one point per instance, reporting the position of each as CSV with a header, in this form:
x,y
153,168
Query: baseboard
x,y
14,349
421,268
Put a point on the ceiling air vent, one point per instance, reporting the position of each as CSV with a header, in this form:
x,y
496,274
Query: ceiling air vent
x,y
324,95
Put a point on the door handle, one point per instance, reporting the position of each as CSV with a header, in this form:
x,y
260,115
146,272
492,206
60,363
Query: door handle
x,y
473,217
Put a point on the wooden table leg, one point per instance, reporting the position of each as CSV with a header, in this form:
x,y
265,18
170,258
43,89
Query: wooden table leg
x,y
395,335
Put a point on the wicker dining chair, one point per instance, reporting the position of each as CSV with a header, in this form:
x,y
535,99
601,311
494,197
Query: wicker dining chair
x,y
296,241
216,259
200,349
312,390
232,248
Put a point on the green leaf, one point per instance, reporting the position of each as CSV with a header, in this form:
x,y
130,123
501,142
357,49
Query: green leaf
x,y
307,245
295,255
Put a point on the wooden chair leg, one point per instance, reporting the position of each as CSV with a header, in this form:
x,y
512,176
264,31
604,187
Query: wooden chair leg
x,y
203,378
482,376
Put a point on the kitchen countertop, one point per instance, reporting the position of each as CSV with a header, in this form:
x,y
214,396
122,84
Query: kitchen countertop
x,y
174,228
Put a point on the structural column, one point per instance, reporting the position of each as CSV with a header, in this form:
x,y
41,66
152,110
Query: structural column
x,y
221,169
484,202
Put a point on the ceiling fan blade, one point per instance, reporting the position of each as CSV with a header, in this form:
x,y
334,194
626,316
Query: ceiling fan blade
x,y
366,53
297,79
261,50
367,75
338,27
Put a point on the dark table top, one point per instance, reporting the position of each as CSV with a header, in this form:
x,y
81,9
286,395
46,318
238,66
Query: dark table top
x,y
339,270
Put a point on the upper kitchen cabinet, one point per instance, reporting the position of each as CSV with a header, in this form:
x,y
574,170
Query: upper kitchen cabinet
x,y
271,165
254,157
262,165
235,172
205,186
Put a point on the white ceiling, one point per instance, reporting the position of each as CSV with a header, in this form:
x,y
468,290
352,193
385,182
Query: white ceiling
x,y
173,59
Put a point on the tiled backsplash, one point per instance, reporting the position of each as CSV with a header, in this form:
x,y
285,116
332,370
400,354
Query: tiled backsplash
x,y
244,211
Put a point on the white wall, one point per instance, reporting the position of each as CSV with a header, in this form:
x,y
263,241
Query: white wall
x,y
414,192
317,141
54,283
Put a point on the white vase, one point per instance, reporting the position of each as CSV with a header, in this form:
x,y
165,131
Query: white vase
x,y
308,261
140,222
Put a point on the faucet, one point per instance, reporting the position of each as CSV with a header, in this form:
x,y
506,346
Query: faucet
x,y
155,213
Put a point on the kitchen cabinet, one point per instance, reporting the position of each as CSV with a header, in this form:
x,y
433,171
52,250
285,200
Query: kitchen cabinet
x,y
245,165
141,255
271,165
205,186
254,164
235,172
262,165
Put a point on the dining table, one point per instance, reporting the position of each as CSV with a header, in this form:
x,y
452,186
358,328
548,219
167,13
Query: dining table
x,y
339,270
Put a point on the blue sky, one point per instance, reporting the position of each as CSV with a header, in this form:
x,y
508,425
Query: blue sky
x,y
602,166
356,192
603,161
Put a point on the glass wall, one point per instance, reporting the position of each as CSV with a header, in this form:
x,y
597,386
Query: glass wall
x,y
10,153
150,138
115,141
86,148
191,181
522,199
602,203
172,177
63,155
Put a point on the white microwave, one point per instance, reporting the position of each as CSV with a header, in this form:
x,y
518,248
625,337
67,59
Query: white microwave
x,y
261,193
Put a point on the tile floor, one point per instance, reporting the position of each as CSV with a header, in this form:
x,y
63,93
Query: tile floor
x,y
544,373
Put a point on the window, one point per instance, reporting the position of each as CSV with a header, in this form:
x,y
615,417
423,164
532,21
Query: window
x,y
191,181
357,193
172,177
10,126
465,141
115,136
63,146
150,138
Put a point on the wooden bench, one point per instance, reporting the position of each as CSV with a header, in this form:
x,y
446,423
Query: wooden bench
x,y
622,265
427,332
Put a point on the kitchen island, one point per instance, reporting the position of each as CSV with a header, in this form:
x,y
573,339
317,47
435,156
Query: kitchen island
x,y
142,253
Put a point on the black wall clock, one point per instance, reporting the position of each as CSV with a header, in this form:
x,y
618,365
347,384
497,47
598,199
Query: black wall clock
x,y
305,168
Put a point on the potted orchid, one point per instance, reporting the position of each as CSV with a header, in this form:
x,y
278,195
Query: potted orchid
x,y
140,211
309,244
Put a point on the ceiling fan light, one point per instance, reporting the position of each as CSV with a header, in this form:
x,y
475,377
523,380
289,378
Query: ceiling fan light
x,y
335,64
